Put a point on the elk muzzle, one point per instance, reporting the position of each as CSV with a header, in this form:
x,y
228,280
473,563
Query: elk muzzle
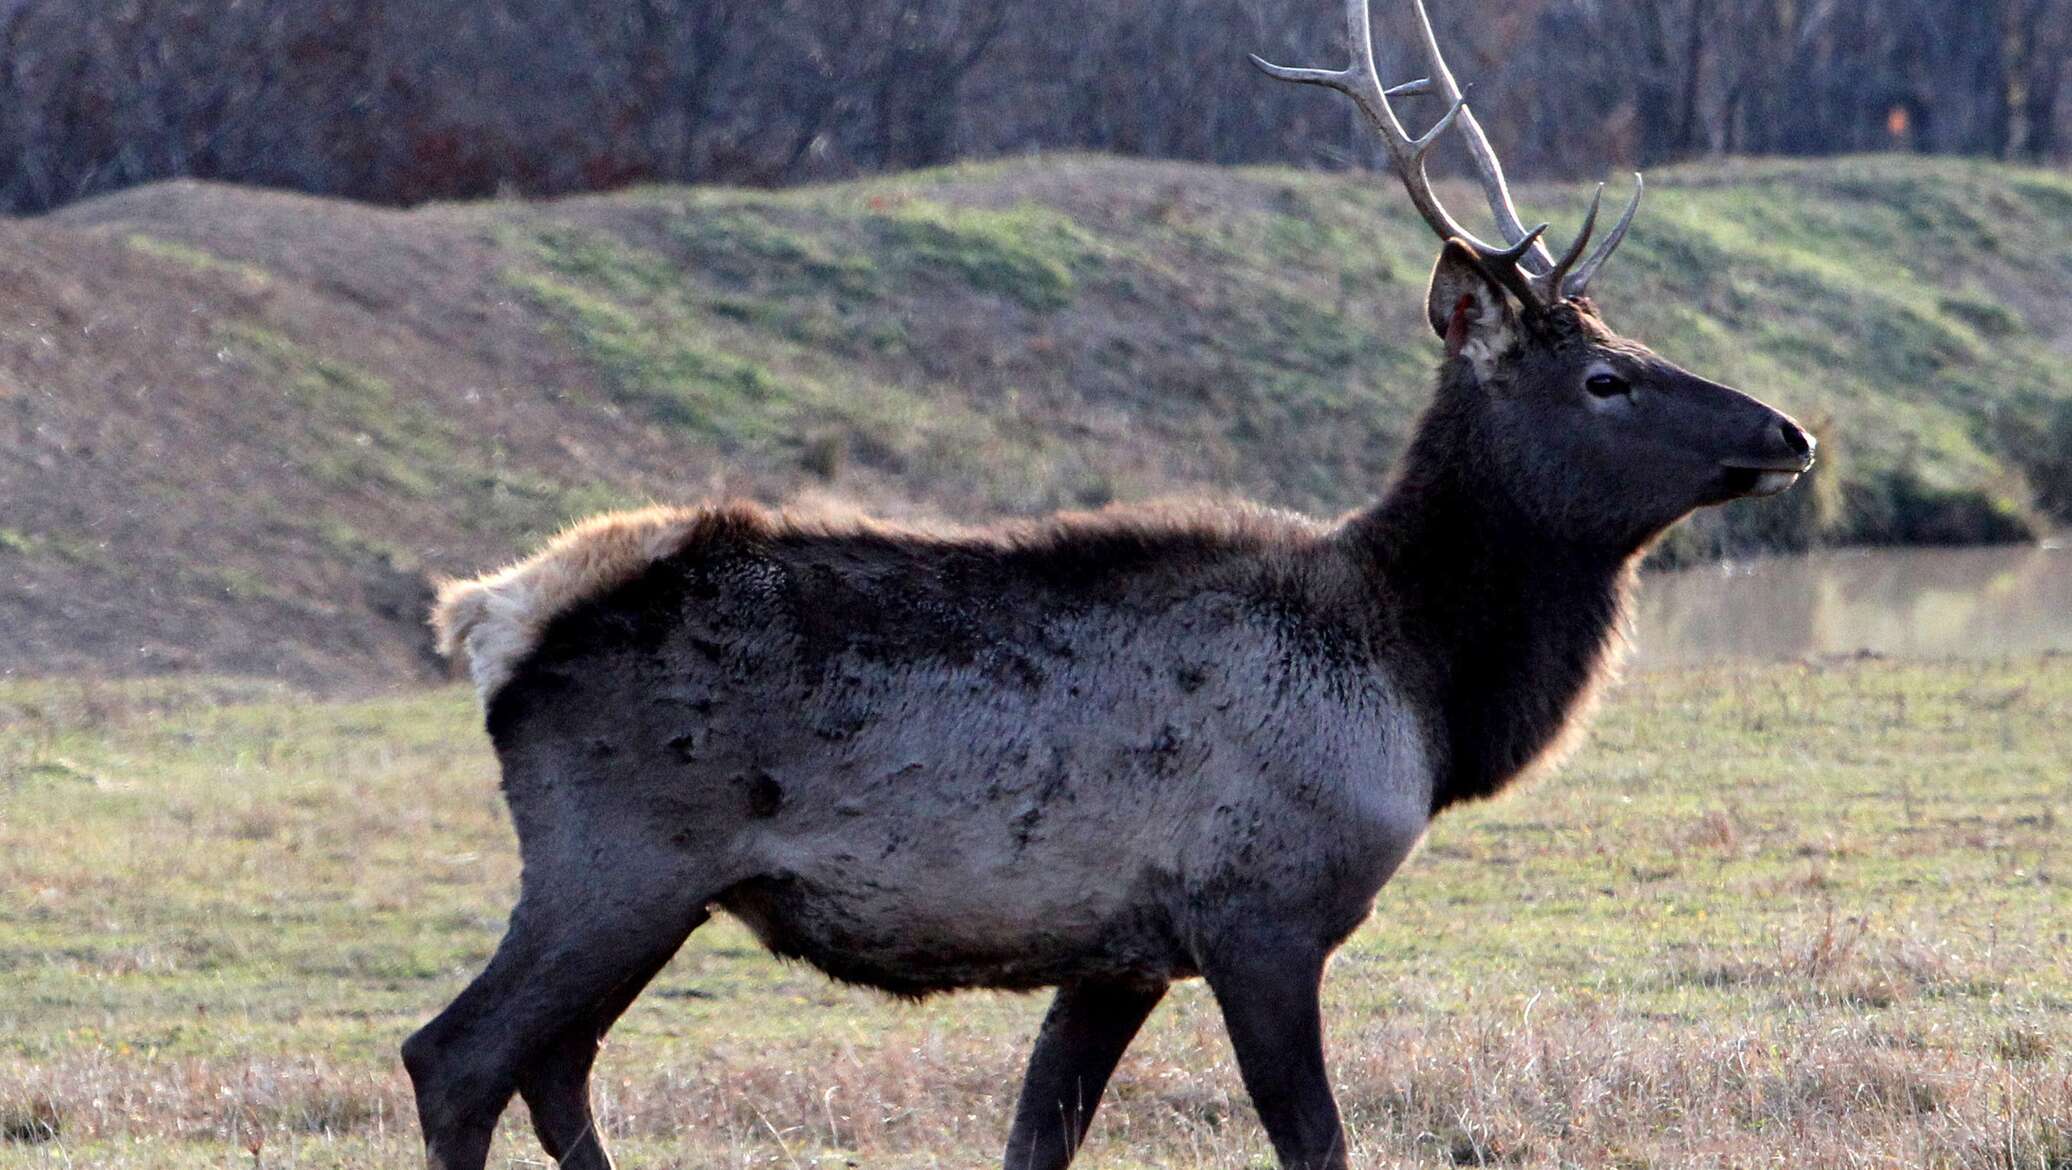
x,y
1781,453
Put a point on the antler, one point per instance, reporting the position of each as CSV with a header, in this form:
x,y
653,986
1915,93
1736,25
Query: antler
x,y
1541,282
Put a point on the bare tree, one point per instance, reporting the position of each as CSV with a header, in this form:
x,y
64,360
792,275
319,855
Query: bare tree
x,y
405,100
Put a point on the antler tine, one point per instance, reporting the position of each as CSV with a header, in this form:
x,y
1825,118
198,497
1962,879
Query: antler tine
x,y
1574,284
1524,244
1558,275
1487,167
1362,82
1505,267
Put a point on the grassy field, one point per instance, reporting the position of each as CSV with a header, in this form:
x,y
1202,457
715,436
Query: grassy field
x,y
1805,914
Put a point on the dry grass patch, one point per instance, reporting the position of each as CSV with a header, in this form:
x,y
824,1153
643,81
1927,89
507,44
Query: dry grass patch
x,y
210,953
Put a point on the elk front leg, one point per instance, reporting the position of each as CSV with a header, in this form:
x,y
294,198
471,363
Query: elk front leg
x,y
1083,1036
1268,990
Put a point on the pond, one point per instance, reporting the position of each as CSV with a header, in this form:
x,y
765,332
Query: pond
x,y
1918,603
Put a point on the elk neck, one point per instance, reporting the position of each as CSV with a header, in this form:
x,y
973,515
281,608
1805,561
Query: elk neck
x,y
1501,628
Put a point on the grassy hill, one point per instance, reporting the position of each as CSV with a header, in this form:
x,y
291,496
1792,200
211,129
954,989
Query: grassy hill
x,y
238,429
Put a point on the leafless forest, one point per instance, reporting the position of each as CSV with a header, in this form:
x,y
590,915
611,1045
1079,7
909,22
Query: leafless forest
x,y
401,101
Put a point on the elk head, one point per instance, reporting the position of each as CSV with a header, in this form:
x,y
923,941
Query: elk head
x,y
1593,435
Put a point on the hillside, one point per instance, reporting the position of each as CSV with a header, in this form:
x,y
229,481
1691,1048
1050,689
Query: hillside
x,y
239,429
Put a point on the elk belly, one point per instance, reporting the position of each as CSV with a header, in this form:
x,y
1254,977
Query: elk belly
x,y
918,915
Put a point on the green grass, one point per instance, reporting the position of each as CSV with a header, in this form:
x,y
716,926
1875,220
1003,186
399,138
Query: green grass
x,y
77,550
1261,329
355,435
760,362
250,276
1806,913
1026,253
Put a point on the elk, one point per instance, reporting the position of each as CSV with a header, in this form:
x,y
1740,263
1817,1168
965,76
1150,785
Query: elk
x,y
1096,752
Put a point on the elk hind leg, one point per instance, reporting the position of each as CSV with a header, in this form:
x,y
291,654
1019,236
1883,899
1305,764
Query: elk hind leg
x,y
1083,1037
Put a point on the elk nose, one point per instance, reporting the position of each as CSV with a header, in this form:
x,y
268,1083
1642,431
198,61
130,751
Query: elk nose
x,y
1796,440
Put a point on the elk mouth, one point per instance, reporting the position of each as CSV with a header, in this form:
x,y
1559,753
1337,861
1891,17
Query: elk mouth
x,y
1744,481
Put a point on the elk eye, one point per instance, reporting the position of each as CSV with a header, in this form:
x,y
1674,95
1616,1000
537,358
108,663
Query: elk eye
x,y
1607,385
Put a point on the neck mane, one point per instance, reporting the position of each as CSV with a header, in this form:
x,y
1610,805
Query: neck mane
x,y
1506,627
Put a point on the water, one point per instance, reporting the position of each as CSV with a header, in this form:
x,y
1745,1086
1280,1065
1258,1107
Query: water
x,y
1916,603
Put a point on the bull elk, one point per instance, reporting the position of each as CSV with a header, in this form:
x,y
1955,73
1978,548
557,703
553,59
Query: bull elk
x,y
1097,752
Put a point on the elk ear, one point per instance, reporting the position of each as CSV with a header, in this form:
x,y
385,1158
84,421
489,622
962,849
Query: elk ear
x,y
1467,307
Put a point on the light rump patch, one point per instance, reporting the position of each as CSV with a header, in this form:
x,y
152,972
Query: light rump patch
x,y
496,619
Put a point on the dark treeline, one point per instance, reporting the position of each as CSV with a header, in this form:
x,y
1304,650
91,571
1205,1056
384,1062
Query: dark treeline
x,y
400,101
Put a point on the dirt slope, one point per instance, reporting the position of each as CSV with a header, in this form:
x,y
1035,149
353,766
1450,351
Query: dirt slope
x,y
239,429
